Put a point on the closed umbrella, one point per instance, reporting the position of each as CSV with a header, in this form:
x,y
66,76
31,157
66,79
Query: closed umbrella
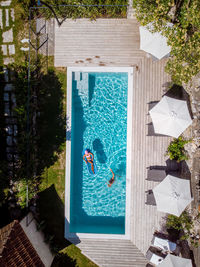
x,y
175,261
170,116
153,43
172,195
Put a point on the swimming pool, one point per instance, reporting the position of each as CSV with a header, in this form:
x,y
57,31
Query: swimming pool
x,y
97,105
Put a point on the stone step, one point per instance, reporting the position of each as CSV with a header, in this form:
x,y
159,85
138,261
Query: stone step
x,y
108,257
112,252
115,251
124,265
113,246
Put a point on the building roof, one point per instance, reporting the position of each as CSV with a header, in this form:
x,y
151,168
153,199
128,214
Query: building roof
x,y
16,249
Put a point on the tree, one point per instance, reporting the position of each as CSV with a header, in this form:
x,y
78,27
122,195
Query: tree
x,y
179,21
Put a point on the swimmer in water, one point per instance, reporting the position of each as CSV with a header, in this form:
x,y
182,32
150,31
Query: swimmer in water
x,y
111,181
89,158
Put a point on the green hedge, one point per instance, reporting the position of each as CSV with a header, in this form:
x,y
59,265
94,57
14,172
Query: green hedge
x,y
80,8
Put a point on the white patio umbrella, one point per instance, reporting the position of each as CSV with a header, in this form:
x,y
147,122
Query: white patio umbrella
x,y
153,43
170,116
172,195
175,261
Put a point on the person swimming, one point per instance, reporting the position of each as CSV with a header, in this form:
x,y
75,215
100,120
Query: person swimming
x,y
89,158
111,181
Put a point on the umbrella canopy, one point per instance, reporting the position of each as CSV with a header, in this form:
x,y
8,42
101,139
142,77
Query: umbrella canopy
x,y
170,116
172,195
175,261
153,43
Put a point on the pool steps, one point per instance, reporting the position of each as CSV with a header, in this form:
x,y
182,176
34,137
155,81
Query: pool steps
x,y
82,79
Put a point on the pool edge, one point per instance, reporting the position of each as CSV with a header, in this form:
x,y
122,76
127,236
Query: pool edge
x,y
130,72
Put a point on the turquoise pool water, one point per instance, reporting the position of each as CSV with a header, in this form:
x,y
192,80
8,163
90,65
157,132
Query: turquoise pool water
x,y
99,122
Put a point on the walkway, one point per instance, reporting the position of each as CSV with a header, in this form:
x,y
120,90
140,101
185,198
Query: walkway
x,y
115,42
37,239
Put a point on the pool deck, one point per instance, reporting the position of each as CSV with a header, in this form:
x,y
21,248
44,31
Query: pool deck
x,y
115,42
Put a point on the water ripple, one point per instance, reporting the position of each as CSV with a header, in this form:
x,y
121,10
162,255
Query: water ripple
x,y
106,119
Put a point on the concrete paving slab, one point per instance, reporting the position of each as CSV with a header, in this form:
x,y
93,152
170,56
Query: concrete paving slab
x,y
11,49
8,60
12,12
5,72
24,48
15,130
5,3
6,96
9,130
1,19
13,98
25,40
8,36
8,87
9,140
4,49
7,17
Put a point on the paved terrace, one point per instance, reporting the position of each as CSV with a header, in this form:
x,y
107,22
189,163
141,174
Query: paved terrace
x,y
115,42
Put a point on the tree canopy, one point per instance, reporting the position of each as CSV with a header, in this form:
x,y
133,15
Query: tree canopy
x,y
179,21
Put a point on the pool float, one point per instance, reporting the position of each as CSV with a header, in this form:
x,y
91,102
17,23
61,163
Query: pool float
x,y
89,165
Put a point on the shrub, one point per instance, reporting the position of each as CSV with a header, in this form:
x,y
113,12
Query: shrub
x,y
84,9
21,189
179,21
183,222
176,150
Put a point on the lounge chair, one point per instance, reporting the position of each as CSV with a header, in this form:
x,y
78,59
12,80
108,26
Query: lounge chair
x,y
150,200
164,244
154,258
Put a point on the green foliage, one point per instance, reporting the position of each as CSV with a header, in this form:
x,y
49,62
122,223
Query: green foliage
x,y
183,33
86,8
4,183
183,222
176,150
21,192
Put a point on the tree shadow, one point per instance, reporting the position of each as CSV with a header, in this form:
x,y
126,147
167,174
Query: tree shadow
x,y
42,130
51,124
173,166
185,170
63,260
3,163
98,147
91,87
51,211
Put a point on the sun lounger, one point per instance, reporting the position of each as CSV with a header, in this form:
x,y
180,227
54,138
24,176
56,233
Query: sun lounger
x,y
154,258
163,244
